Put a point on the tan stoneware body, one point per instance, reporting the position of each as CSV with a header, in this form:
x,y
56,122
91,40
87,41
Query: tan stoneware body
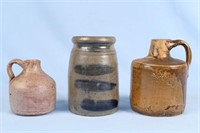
x,y
32,92
158,81
93,76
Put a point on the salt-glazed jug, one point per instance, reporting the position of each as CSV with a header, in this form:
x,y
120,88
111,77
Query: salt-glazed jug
x,y
32,92
158,83
93,76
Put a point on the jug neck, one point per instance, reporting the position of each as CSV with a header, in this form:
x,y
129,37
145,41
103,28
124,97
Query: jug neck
x,y
160,49
32,66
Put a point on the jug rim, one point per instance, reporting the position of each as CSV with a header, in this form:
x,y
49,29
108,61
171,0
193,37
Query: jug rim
x,y
161,39
33,60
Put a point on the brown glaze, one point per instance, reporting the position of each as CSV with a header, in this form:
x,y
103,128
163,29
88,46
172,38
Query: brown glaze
x,y
32,92
158,83
93,76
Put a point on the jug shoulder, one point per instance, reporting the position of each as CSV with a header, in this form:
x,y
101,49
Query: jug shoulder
x,y
168,62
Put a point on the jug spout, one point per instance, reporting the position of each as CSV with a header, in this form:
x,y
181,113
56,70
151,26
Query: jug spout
x,y
159,48
32,65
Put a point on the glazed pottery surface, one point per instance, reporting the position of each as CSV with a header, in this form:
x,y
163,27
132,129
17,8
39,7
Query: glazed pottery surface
x,y
158,83
93,76
32,92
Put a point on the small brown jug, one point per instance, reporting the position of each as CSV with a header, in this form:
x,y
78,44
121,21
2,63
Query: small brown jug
x,y
32,92
158,83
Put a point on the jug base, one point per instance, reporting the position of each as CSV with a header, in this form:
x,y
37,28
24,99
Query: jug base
x,y
34,113
161,113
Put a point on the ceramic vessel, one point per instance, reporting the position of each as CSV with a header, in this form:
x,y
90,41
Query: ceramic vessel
x,y
158,83
93,76
32,92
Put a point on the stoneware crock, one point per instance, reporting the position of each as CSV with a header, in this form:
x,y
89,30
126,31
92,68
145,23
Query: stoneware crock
x,y
93,76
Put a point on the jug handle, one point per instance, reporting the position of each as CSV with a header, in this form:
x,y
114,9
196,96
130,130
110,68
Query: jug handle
x,y
9,67
174,43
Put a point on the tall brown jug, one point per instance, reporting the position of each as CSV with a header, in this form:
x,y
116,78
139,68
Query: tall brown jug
x,y
32,92
158,83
